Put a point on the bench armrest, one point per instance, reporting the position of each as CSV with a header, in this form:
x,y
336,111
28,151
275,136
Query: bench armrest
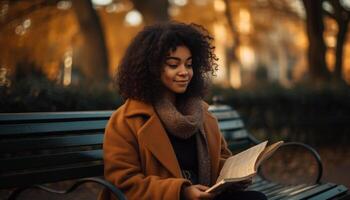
x,y
313,152
114,190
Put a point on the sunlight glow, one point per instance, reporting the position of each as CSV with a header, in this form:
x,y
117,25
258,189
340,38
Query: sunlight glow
x,y
220,51
247,57
178,2
64,5
345,4
235,76
4,8
133,18
4,81
327,6
174,11
67,70
101,2
244,23
219,5
27,23
201,2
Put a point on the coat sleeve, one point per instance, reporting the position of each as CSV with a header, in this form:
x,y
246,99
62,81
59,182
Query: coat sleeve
x,y
122,166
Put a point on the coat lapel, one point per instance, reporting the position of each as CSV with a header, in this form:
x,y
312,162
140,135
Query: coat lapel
x,y
213,147
154,137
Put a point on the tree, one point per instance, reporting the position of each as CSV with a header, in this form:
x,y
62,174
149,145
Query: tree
x,y
317,48
93,60
315,26
342,17
153,10
94,48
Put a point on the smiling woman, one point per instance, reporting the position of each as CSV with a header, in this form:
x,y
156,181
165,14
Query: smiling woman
x,y
161,47
163,143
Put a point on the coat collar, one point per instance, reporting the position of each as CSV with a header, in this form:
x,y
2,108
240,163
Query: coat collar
x,y
136,107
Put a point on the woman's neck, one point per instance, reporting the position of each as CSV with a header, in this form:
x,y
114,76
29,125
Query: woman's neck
x,y
171,97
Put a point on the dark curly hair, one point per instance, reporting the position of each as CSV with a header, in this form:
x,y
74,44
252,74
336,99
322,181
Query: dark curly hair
x,y
138,75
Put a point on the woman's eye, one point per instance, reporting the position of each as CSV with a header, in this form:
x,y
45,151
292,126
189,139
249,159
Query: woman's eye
x,y
172,66
189,65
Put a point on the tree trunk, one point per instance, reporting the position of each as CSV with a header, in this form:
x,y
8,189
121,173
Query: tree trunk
x,y
93,51
153,10
317,48
341,37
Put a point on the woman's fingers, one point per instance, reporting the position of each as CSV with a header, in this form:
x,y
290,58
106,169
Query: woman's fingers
x,y
202,187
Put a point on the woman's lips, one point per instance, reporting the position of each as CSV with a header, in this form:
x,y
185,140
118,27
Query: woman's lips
x,y
185,82
181,81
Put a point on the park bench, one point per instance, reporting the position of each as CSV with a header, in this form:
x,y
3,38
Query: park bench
x,y
238,138
40,148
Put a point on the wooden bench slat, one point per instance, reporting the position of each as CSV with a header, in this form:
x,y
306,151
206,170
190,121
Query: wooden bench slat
x,y
50,143
231,124
308,192
236,134
219,108
257,184
36,128
19,117
265,186
270,189
338,190
49,161
284,193
275,189
226,115
48,176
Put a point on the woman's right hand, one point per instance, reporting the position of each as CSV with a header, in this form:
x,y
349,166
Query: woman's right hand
x,y
197,192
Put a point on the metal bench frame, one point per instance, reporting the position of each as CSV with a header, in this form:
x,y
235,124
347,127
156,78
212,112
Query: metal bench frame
x,y
232,128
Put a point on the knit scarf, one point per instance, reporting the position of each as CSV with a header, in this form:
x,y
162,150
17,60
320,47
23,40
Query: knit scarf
x,y
184,121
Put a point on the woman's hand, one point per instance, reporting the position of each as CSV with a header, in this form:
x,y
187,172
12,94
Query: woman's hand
x,y
197,192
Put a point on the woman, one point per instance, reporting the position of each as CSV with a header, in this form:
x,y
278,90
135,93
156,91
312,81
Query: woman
x,y
163,143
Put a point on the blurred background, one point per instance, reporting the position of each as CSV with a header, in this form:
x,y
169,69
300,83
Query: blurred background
x,y
284,64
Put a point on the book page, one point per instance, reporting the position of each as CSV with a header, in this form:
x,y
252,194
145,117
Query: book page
x,y
268,151
241,164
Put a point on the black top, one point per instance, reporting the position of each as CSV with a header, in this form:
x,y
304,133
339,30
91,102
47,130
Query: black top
x,y
186,153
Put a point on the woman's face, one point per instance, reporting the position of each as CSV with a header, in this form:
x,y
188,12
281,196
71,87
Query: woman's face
x,y
177,70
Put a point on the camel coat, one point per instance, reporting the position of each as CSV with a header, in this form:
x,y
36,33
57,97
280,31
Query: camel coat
x,y
139,158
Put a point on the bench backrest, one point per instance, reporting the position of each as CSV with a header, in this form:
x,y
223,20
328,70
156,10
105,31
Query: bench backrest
x,y
47,147
40,148
232,127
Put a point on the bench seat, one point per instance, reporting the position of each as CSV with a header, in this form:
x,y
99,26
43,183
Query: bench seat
x,y
238,138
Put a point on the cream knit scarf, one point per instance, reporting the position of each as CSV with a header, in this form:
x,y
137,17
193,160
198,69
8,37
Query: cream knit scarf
x,y
183,123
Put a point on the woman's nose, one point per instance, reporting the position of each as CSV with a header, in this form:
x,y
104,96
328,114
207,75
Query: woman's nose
x,y
183,70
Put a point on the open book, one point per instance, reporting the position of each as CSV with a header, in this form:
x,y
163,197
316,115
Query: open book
x,y
243,165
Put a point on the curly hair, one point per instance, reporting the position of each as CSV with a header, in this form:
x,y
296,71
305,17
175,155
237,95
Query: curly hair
x,y
138,75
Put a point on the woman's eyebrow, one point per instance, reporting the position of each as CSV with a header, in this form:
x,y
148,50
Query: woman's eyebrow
x,y
176,58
